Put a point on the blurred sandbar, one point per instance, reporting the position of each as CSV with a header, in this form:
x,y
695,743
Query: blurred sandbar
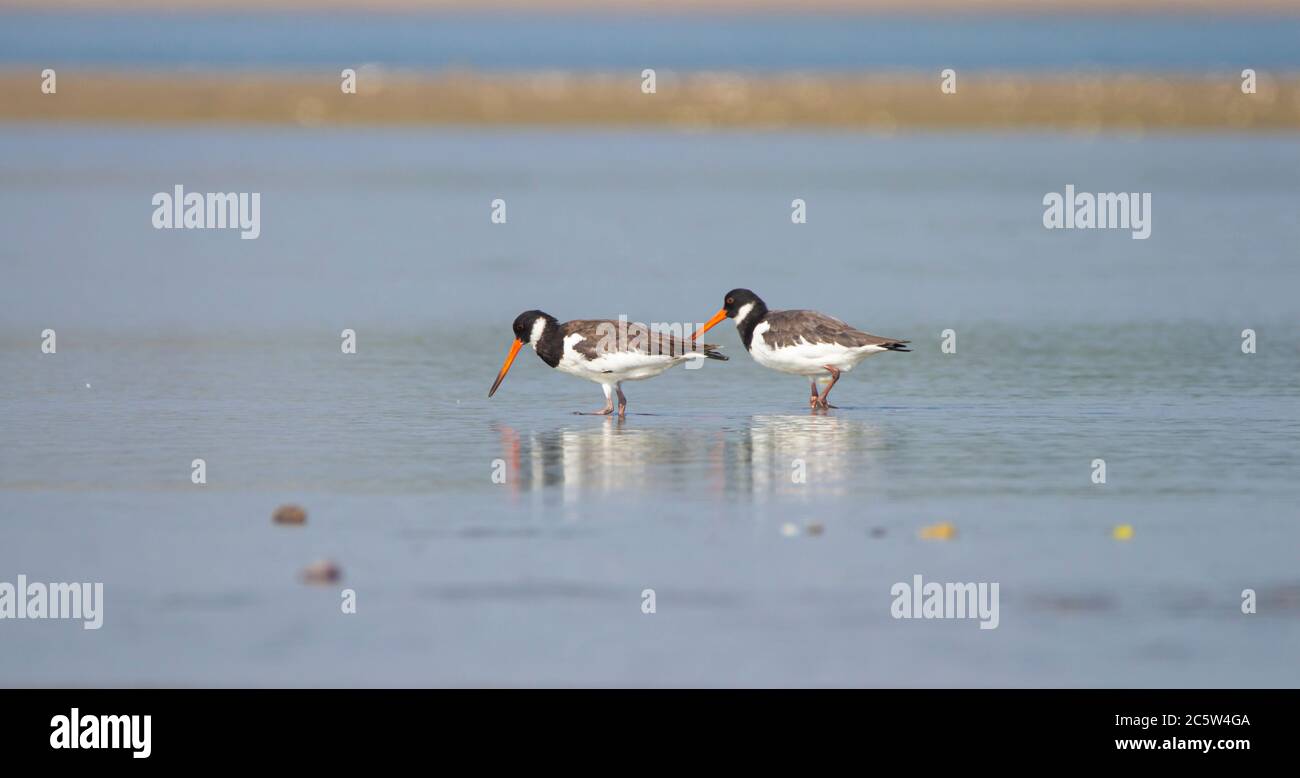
x,y
1064,101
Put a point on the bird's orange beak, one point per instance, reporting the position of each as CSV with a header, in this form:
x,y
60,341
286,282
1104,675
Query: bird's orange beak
x,y
711,323
505,368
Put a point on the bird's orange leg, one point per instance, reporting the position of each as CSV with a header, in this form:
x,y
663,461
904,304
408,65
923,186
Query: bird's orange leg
x,y
609,403
835,376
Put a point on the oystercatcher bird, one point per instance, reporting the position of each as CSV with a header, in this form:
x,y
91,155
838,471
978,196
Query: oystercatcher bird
x,y
806,343
600,350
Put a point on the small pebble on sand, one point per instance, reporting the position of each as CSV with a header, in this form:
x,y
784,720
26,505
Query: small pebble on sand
x,y
789,529
289,514
815,528
321,572
877,532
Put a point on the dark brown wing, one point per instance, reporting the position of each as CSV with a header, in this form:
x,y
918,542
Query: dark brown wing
x,y
603,336
787,328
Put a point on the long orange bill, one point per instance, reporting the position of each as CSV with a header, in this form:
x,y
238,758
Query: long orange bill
x,y
711,323
505,368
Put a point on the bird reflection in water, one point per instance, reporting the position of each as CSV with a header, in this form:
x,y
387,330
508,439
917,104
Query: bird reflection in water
x,y
809,455
805,455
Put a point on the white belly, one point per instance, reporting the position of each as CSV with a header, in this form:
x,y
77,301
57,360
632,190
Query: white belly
x,y
615,366
807,359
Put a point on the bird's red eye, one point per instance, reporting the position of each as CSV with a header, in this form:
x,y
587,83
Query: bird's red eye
x,y
730,301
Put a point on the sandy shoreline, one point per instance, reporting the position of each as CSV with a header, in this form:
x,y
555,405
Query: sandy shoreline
x,y
699,101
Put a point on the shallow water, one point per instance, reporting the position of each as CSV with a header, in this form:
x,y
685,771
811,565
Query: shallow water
x,y
631,41
1070,346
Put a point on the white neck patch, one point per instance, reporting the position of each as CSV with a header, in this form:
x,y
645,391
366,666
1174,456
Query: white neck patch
x,y
743,313
539,327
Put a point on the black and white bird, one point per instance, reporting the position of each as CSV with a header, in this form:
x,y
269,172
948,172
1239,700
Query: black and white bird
x,y
806,343
600,350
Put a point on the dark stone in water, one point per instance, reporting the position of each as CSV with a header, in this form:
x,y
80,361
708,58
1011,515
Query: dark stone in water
x,y
289,514
322,572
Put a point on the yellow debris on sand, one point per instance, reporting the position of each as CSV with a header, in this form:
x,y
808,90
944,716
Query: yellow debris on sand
x,y
944,530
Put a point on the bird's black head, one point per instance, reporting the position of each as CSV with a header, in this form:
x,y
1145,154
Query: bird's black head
x,y
529,327
736,300
744,307
525,326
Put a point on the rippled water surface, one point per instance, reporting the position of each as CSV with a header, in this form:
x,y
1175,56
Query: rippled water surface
x,y
1071,346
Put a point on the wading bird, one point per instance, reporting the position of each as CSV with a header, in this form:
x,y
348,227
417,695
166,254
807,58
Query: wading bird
x,y
806,343
600,350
